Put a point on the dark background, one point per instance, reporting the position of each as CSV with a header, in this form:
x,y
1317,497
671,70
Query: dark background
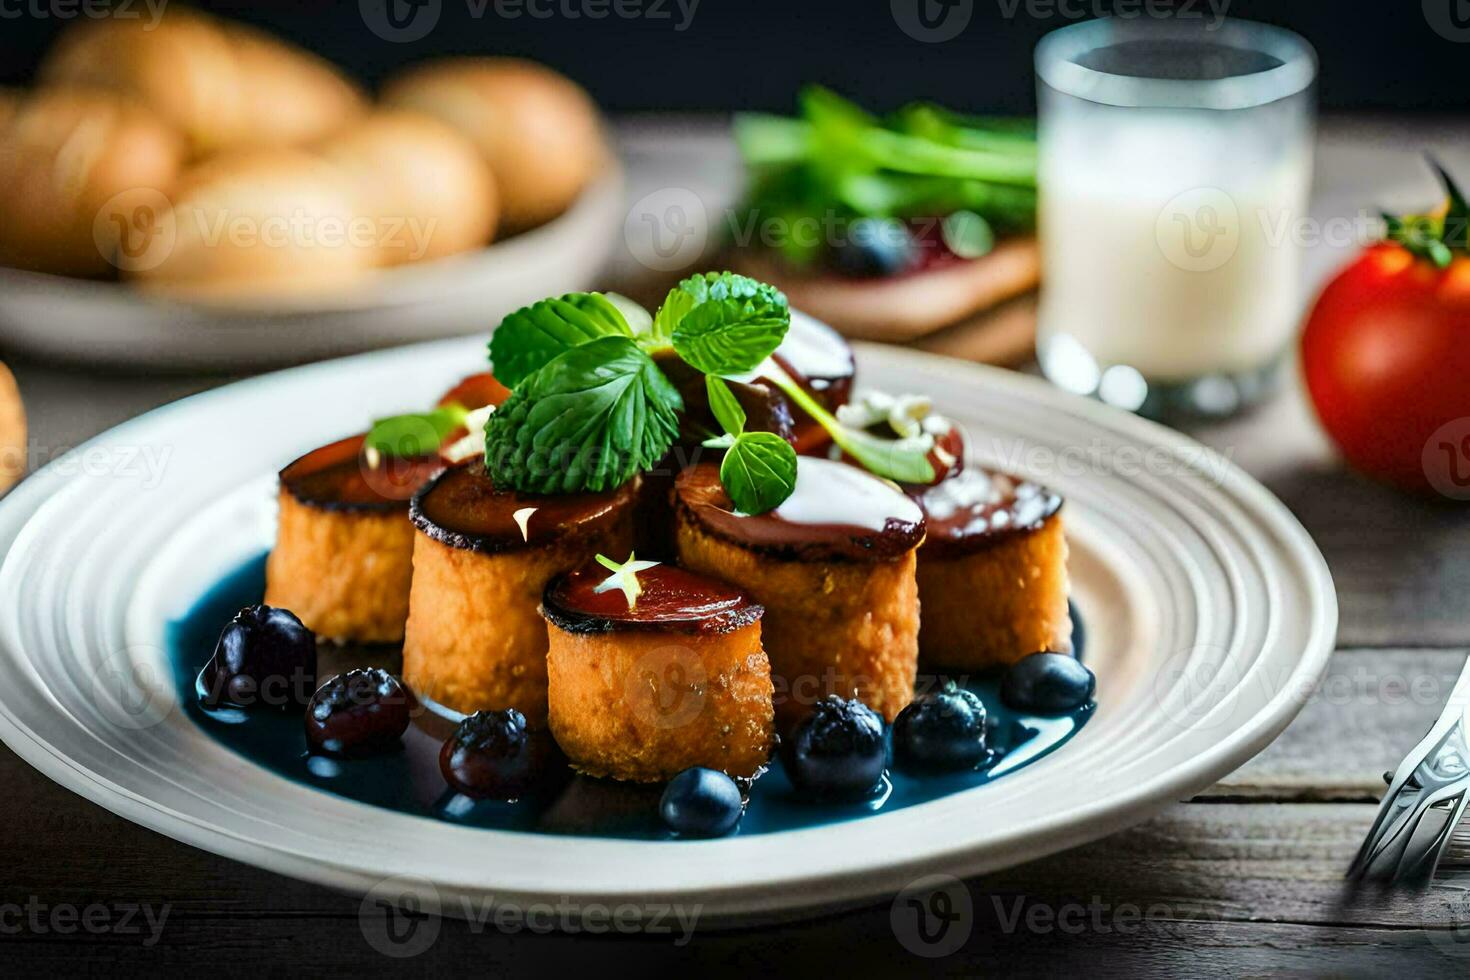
x,y
1380,54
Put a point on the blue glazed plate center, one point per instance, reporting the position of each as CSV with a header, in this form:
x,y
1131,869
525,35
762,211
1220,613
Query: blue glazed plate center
x,y
409,781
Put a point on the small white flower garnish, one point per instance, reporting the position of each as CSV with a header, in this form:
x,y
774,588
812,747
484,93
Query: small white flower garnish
x,y
908,416
522,518
624,576
870,408
473,442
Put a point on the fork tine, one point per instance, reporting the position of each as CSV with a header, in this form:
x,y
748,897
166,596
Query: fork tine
x,y
1395,814
1419,870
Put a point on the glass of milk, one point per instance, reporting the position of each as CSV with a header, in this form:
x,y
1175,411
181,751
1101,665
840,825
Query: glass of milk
x,y
1176,160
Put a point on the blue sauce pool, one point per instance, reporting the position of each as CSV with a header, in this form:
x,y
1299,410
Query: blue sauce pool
x,y
409,781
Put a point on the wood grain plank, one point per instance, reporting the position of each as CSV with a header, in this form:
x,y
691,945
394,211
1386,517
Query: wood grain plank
x,y
1203,889
1366,713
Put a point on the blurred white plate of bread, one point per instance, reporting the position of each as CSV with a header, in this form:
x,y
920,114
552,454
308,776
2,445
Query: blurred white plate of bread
x,y
195,193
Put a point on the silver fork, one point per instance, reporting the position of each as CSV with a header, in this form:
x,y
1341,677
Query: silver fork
x,y
1433,781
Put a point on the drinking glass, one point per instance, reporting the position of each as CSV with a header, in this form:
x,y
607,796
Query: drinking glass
x,y
1175,166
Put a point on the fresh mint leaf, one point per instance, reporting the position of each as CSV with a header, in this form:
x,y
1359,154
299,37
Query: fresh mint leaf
x,y
758,472
532,336
723,323
724,405
416,434
586,420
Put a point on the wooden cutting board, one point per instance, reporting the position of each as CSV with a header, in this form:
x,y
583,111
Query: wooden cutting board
x,y
1001,288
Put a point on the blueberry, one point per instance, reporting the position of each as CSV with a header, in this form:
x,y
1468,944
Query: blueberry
x,y
494,755
837,751
701,802
264,657
874,247
941,731
360,712
1047,683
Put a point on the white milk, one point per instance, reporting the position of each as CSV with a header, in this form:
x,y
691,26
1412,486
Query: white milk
x,y
1170,241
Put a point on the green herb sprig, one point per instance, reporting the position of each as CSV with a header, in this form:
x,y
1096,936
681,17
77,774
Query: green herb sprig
x,y
416,433
840,162
759,468
590,407
588,419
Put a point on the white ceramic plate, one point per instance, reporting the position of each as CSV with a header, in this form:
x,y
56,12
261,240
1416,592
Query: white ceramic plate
x,y
112,323
1209,615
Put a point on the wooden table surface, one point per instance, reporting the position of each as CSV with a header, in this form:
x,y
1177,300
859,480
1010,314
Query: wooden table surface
x,y
1244,879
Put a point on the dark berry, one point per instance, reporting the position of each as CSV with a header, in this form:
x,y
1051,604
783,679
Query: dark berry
x,y
358,713
493,755
837,751
701,802
1047,683
874,247
940,731
265,657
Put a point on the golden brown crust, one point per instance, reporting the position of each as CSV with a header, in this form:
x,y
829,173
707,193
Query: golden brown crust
x,y
12,431
345,573
82,175
538,129
993,607
222,84
475,639
425,185
268,222
10,100
645,706
903,308
842,628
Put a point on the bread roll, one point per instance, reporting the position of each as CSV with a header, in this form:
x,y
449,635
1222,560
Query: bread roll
x,y
259,224
538,129
10,99
222,84
426,186
12,431
82,176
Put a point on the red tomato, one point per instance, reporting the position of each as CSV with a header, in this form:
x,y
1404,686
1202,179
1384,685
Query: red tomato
x,y
1386,356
